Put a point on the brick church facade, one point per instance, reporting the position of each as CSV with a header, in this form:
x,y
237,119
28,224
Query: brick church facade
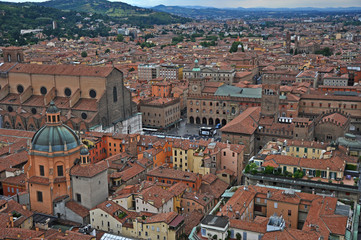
x,y
87,96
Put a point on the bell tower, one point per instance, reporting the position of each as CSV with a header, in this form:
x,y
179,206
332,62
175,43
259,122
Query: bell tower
x,y
13,54
270,98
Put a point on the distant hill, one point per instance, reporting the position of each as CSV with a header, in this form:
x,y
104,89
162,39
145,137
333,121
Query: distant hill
x,y
15,17
128,13
226,13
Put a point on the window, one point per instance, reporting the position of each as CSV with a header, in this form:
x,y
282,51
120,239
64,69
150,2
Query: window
x,y
60,171
39,196
42,172
115,94
204,232
67,92
43,90
20,89
289,212
275,205
78,197
92,93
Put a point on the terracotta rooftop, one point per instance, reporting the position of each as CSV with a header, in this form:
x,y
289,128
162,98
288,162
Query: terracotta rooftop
x,y
88,170
244,123
19,233
77,208
69,70
336,118
128,173
335,163
162,217
156,196
173,174
15,180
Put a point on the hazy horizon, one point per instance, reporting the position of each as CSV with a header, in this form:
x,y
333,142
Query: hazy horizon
x,y
237,3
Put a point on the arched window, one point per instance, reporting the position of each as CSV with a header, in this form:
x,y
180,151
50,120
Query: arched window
x,y
115,95
19,59
9,58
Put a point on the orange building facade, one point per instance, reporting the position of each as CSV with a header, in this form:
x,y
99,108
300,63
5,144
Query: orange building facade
x,y
53,151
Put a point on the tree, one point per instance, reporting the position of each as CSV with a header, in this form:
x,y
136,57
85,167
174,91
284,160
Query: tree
x,y
238,236
251,168
234,47
107,51
84,54
228,235
269,170
325,52
147,36
298,174
120,38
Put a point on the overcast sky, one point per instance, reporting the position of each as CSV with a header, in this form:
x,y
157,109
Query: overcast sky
x,y
239,3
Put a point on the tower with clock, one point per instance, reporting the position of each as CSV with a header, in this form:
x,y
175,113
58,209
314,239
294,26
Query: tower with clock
x,y
196,83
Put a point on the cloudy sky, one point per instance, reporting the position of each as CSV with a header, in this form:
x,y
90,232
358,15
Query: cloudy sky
x,y
240,3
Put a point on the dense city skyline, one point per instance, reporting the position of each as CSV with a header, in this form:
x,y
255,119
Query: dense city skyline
x,y
238,3
144,121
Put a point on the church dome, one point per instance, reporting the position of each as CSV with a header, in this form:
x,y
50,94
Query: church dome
x,y
54,139
84,151
54,136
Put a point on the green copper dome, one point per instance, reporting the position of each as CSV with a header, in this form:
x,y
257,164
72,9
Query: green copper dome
x,y
84,151
52,108
54,139
196,66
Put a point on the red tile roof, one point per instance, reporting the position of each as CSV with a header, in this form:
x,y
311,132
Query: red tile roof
x,y
292,234
88,170
39,180
162,217
335,163
19,233
16,180
259,226
156,196
162,172
244,123
77,208
69,70
128,173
